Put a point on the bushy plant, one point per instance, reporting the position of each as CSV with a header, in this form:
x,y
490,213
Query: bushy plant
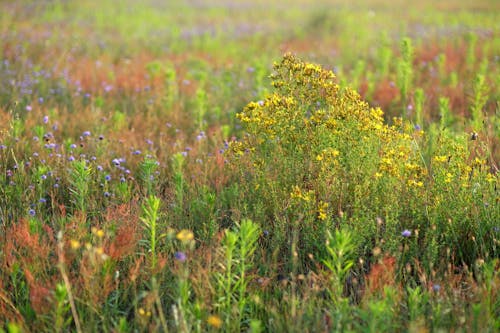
x,y
316,155
316,152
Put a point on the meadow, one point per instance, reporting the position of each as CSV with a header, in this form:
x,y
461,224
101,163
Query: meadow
x,y
250,166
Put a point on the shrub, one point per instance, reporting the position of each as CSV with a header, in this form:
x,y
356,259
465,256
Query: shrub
x,y
315,155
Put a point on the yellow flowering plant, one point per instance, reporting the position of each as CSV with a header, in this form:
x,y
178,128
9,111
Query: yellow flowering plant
x,y
314,154
313,149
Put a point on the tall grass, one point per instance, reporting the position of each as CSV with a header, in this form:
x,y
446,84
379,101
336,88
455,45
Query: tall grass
x,y
166,172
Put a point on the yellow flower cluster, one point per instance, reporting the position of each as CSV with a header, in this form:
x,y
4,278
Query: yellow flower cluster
x,y
322,210
297,193
315,134
185,235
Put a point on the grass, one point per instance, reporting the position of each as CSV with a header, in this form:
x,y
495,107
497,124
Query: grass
x,y
218,166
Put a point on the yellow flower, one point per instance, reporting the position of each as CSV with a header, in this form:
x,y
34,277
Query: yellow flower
x,y
185,235
98,232
322,207
75,245
490,178
144,313
214,321
448,178
442,158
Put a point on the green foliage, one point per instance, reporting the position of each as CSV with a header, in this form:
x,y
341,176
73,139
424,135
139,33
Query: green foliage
x,y
405,71
147,172
238,248
479,98
150,217
419,97
79,179
445,112
311,210
340,248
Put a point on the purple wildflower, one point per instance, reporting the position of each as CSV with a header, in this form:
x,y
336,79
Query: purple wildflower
x,y
180,256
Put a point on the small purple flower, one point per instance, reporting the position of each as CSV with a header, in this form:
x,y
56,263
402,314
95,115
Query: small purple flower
x,y
107,194
56,185
36,139
99,168
436,287
149,142
28,108
417,127
180,256
32,212
43,177
107,177
136,152
71,158
40,100
86,133
42,200
72,146
3,146
122,180
200,136
45,119
406,233
116,162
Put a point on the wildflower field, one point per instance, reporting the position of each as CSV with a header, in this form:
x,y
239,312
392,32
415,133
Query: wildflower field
x,y
250,166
